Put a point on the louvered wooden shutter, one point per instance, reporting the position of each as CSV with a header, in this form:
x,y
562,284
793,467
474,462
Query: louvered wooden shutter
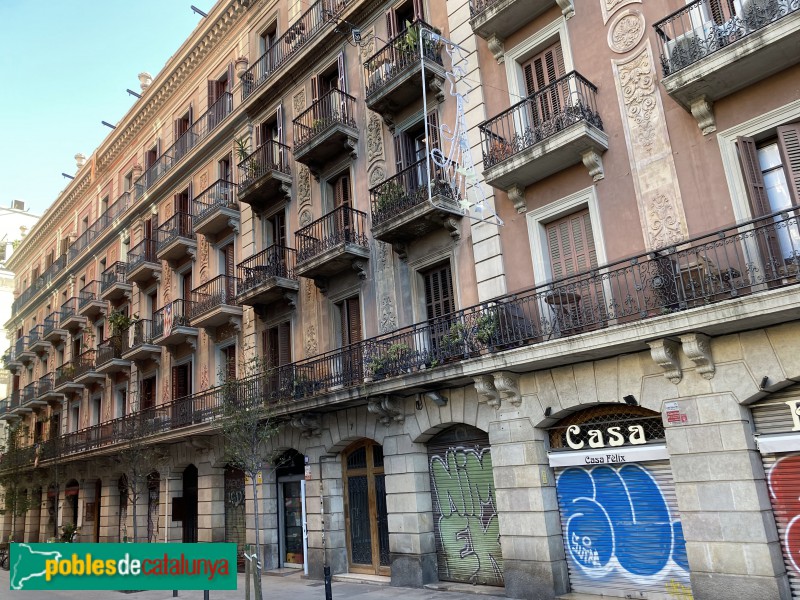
x,y
757,192
419,10
213,91
180,381
230,363
544,68
284,344
403,151
353,320
789,144
187,285
571,244
279,123
391,24
229,260
341,191
148,393
314,89
342,82
433,130
439,291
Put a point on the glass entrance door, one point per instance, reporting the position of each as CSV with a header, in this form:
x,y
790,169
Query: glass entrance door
x,y
291,521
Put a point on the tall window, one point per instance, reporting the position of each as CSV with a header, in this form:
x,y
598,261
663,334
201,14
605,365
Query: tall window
x,y
540,73
571,244
147,393
224,169
439,300
274,230
228,356
181,381
350,321
406,12
186,285
277,345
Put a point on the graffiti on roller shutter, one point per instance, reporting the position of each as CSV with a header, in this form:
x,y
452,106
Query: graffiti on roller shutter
x,y
786,504
618,523
468,512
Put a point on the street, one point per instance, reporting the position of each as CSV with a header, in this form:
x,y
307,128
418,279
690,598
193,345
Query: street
x,y
293,586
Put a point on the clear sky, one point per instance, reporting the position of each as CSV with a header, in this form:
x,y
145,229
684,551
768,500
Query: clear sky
x,y
67,64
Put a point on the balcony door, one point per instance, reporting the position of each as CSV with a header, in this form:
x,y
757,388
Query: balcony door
x,y
181,389
276,345
540,72
439,302
349,313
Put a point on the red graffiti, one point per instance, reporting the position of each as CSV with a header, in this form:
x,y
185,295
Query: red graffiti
x,y
782,479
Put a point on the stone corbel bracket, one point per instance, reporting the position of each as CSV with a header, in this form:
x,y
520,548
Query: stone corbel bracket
x,y
567,8
389,410
593,161
665,353
487,392
507,385
516,193
702,110
697,347
309,424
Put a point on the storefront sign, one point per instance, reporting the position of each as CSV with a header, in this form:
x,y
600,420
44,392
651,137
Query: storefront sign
x,y
605,457
613,436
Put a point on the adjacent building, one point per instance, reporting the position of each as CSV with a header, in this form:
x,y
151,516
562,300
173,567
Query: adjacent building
x,y
519,279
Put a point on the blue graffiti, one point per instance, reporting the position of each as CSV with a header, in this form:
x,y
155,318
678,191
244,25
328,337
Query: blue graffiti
x,y
619,513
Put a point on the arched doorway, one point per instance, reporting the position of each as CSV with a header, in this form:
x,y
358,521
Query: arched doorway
x,y
464,507
291,508
365,508
153,498
235,512
190,504
71,492
122,527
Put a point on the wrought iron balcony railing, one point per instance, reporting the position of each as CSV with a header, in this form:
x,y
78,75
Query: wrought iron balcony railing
x,y
174,314
45,384
109,349
144,251
30,392
198,131
51,321
219,291
140,332
88,293
268,157
703,27
64,374
400,53
116,273
409,188
221,193
39,283
334,107
35,334
343,225
275,261
85,362
114,211
21,345
290,43
178,225
69,309
566,101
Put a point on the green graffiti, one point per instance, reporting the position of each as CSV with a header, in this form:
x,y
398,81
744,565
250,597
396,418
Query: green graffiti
x,y
468,529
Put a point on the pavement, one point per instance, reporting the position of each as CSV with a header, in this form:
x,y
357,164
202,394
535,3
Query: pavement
x,y
293,586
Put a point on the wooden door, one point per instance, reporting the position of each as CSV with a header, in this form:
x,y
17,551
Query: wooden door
x,y
365,509
541,72
439,302
352,360
181,401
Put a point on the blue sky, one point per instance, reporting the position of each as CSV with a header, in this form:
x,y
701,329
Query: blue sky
x,y
67,65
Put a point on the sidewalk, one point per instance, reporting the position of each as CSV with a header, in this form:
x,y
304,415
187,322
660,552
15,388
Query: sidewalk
x,y
292,586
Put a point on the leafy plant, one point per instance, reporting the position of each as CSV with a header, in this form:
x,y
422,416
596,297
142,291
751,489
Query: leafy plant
x,y
454,338
389,193
485,327
396,353
68,532
120,322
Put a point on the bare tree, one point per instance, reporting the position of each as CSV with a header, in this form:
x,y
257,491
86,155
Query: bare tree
x,y
248,426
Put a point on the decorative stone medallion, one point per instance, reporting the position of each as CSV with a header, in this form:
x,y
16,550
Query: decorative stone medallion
x,y
626,31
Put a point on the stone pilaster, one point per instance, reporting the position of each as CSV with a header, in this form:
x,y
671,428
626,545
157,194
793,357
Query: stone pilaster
x,y
172,487
326,484
731,539
410,512
210,503
534,565
32,518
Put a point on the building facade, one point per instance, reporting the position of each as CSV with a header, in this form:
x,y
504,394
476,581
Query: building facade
x,y
542,338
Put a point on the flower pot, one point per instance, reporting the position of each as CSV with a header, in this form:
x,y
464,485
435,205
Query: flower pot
x,y
241,66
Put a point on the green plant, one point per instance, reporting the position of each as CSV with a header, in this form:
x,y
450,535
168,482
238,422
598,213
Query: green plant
x,y
242,148
317,124
454,336
68,531
485,327
390,192
120,322
395,353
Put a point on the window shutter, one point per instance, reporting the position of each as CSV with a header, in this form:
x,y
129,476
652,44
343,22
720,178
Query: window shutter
x,y
187,286
398,151
353,320
789,144
391,24
212,93
757,192
571,244
419,12
257,138
544,68
433,131
191,115
279,122
337,193
284,344
175,387
230,77
230,267
342,82
439,291
230,363
314,89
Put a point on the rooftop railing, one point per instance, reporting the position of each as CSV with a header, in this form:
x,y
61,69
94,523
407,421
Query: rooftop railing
x,y
341,225
566,101
703,27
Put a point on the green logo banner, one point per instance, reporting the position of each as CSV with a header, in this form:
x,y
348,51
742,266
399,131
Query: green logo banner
x,y
123,567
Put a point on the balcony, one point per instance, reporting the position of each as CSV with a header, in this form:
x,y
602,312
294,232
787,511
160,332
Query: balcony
x,y
394,73
495,20
265,179
268,277
86,368
176,239
553,129
47,390
709,51
402,209
42,282
114,282
143,264
70,320
53,332
216,209
22,350
139,342
7,358
171,325
329,245
109,356
64,379
326,130
214,303
9,406
90,304
36,341
30,397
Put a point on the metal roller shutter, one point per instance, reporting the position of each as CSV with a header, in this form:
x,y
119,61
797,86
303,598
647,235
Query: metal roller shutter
x,y
622,530
783,480
464,507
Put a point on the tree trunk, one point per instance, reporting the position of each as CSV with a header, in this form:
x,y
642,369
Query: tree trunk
x,y
257,579
135,520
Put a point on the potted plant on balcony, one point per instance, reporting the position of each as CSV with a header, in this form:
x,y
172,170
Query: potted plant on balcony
x,y
379,365
389,193
243,153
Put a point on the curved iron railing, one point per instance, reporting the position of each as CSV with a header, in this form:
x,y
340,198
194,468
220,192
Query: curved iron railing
x,y
343,225
89,293
566,101
178,225
703,27
144,251
220,290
